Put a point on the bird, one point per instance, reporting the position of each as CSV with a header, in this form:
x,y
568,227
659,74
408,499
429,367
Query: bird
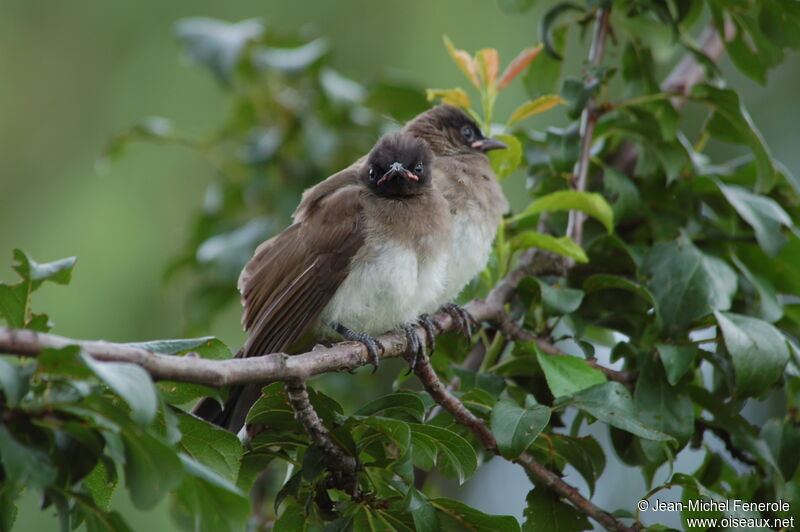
x,y
367,257
462,173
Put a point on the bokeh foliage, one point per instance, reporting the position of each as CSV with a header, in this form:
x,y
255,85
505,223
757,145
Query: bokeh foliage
x,y
688,272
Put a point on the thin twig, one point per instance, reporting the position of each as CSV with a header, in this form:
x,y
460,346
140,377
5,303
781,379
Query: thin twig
x,y
587,125
343,467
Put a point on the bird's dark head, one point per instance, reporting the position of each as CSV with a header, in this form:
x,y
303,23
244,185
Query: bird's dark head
x,y
398,165
450,131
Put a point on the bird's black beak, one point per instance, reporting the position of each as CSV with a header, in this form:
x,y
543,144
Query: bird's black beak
x,y
397,168
490,143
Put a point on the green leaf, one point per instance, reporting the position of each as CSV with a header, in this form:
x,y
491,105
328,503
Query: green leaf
x,y
59,271
563,245
97,519
132,383
205,501
758,350
457,455
23,464
783,440
504,162
602,281
547,513
515,427
215,448
179,345
455,515
547,26
766,306
217,44
563,147
662,406
676,359
406,402
584,454
152,469
611,403
686,283
14,304
558,301
567,375
763,214
290,60
12,383
393,430
533,107
273,409
732,123
543,75
591,203
421,511
101,483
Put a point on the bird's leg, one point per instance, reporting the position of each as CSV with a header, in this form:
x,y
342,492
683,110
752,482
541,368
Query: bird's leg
x,y
415,348
462,317
374,347
431,330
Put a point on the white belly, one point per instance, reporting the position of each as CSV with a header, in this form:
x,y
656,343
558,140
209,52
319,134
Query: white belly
x,y
389,287
470,250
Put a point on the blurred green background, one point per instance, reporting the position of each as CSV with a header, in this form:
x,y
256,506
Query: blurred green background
x,y
74,73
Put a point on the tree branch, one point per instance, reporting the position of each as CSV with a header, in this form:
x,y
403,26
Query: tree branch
x,y
539,472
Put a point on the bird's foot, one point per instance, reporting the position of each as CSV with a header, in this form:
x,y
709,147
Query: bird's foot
x,y
374,347
431,330
414,348
462,317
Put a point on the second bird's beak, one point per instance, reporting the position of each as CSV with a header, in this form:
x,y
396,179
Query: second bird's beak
x,y
489,144
397,168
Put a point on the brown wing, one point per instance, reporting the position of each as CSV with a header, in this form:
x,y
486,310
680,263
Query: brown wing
x,y
293,275
314,195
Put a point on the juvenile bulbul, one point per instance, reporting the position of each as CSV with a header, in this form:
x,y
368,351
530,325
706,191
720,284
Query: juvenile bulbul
x,y
368,256
461,171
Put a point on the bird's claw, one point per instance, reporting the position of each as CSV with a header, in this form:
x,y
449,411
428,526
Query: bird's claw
x,y
415,349
431,330
462,317
374,347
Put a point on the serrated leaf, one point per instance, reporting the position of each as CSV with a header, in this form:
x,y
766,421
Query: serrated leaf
x,y
533,107
758,351
591,203
567,375
132,383
612,403
562,245
515,427
504,162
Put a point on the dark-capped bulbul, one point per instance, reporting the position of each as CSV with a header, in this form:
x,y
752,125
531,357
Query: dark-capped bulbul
x,y
461,171
367,257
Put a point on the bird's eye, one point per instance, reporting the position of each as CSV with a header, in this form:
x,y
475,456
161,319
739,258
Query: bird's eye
x,y
371,173
418,168
467,132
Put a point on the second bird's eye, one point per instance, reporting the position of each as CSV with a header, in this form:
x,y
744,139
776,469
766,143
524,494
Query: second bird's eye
x,y
467,132
371,173
418,168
